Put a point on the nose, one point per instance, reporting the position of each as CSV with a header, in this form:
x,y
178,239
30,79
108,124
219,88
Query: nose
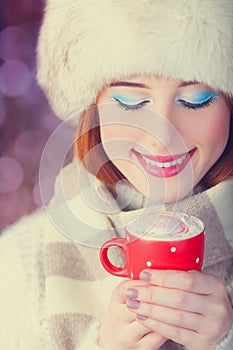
x,y
161,133
162,130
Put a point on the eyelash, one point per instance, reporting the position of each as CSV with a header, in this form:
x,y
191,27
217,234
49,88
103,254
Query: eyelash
x,y
130,107
197,105
182,102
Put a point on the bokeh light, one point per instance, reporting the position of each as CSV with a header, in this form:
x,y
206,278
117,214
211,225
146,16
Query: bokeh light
x,y
2,110
29,146
13,38
26,120
15,78
14,205
11,175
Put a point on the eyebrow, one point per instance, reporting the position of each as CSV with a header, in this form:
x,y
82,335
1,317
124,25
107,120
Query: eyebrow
x,y
126,83
143,86
187,83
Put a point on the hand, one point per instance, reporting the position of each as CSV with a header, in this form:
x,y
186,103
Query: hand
x,y
191,308
120,330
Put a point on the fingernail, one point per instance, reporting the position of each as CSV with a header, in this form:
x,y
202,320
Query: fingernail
x,y
141,317
145,276
133,304
131,293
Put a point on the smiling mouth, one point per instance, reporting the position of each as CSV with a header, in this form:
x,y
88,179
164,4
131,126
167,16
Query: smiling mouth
x,y
164,166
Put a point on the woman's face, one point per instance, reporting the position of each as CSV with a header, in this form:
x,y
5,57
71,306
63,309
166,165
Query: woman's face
x,y
163,134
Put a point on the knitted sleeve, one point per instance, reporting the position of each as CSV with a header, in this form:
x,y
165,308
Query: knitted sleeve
x,y
90,340
22,312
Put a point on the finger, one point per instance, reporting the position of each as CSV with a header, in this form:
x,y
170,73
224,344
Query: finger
x,y
119,293
180,335
136,331
130,335
191,281
173,298
151,341
122,315
175,317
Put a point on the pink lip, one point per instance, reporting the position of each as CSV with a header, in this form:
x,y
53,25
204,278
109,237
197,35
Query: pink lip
x,y
164,172
164,159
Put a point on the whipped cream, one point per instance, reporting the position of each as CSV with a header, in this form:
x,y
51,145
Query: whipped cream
x,y
164,226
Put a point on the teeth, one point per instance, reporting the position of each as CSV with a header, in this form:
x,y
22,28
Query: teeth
x,y
166,164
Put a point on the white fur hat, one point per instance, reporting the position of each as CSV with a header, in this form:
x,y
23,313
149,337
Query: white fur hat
x,y
86,44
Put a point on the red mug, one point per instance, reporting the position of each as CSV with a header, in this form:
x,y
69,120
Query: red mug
x,y
164,241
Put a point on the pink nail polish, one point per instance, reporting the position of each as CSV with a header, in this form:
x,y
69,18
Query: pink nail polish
x,y
131,293
145,276
132,304
141,317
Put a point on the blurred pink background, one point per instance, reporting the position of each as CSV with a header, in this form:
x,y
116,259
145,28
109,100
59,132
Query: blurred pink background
x,y
26,120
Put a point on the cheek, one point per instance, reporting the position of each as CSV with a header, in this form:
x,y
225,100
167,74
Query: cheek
x,y
106,133
115,141
118,142
217,133
211,129
119,132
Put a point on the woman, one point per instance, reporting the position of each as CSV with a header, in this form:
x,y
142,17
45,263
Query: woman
x,y
156,89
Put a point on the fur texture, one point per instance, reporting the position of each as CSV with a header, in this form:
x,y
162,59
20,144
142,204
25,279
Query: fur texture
x,y
85,45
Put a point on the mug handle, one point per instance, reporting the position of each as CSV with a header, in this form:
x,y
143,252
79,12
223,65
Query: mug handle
x,y
114,270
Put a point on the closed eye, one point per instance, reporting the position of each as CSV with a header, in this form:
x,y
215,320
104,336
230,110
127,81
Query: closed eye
x,y
129,106
199,100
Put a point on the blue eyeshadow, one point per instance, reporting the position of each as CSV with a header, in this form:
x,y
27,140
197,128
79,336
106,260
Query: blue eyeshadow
x,y
126,99
197,97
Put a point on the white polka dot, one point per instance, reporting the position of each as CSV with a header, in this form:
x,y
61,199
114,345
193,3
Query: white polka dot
x,y
197,260
127,238
173,249
149,263
131,274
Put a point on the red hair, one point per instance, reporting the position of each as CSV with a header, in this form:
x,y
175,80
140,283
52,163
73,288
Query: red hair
x,y
98,163
88,139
